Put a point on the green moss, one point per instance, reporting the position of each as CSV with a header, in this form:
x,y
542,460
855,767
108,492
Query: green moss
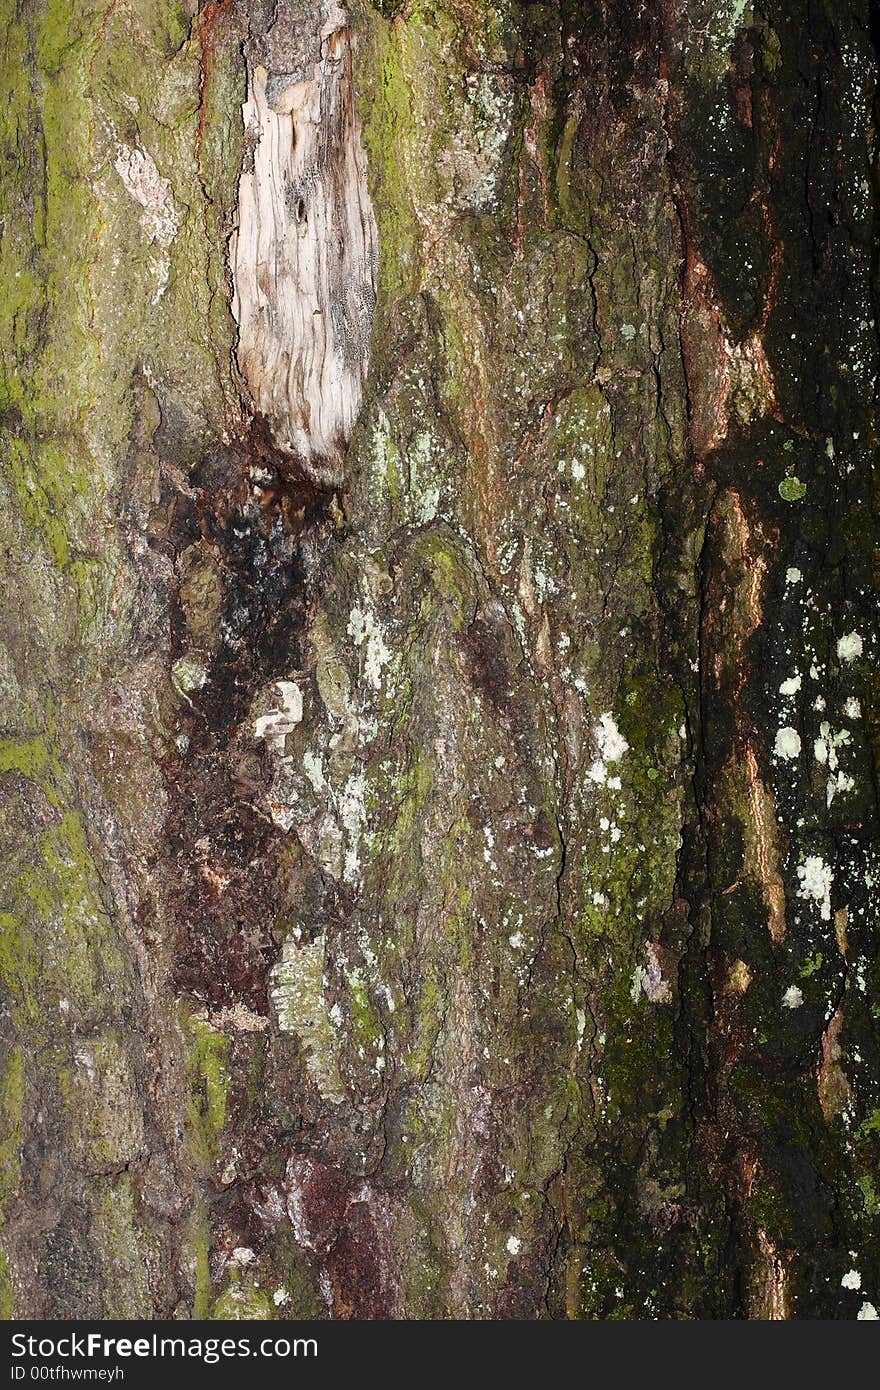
x,y
18,963
870,1195
392,142
29,756
811,965
771,51
243,1301
428,1014
12,1093
792,490
365,1021
7,1292
569,205
79,282
209,1087
450,574
56,938
639,867
124,1251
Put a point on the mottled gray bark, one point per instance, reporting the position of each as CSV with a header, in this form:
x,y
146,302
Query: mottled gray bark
x,y
439,808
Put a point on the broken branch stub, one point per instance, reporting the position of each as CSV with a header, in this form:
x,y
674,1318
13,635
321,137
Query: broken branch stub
x,y
304,258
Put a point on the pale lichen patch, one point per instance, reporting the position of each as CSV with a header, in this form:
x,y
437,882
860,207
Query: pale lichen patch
x,y
648,978
739,977
159,218
816,878
278,710
611,746
301,1006
364,630
188,674
152,193
787,744
850,647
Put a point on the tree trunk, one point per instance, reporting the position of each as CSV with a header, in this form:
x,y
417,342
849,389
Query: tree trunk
x,y
438,661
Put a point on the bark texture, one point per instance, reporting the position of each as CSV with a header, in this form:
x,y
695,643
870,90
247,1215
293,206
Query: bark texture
x,y
438,666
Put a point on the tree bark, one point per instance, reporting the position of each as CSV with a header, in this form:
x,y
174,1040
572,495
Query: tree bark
x,y
439,808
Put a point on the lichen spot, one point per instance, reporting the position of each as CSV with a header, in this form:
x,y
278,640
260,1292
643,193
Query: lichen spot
x,y
648,978
788,744
740,977
849,647
792,490
365,632
851,1280
610,741
146,187
611,746
816,879
792,998
284,712
242,1256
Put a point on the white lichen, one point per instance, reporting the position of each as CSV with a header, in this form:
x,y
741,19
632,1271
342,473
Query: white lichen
x,y
816,879
353,817
150,191
314,770
611,746
825,749
849,647
281,718
787,744
189,673
609,740
242,1256
364,630
297,991
648,978
159,217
